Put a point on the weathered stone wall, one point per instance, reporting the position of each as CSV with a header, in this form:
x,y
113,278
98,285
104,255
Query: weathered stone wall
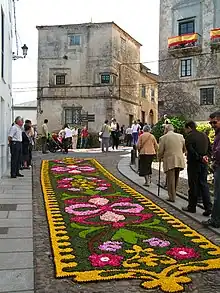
x,y
103,48
205,63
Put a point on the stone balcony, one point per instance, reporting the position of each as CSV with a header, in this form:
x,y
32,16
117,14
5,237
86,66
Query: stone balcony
x,y
215,39
183,45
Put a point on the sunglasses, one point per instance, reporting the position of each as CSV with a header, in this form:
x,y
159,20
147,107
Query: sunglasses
x,y
213,122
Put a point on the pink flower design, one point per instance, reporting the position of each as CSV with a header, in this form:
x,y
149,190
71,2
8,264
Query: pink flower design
x,y
74,189
64,180
112,217
157,242
76,172
105,259
181,253
109,213
99,201
101,188
87,169
72,209
111,246
63,185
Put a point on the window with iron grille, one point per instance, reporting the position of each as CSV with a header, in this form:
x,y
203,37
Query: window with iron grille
x,y
207,96
72,116
186,67
60,79
186,27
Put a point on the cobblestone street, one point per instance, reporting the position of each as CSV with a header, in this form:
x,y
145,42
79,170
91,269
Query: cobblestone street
x,y
45,281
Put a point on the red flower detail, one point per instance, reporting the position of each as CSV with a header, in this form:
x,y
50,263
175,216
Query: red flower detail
x,y
105,259
181,253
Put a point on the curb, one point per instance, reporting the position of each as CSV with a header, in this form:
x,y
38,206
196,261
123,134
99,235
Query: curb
x,y
216,231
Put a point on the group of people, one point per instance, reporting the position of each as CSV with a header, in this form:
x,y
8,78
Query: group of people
x,y
111,133
172,149
67,137
21,140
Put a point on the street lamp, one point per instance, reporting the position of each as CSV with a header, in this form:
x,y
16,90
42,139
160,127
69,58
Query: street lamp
x,y
24,50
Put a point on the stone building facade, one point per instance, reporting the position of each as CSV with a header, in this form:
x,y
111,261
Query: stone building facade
x,y
189,57
5,81
95,69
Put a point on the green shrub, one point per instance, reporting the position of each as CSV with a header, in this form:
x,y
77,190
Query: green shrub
x,y
205,127
178,123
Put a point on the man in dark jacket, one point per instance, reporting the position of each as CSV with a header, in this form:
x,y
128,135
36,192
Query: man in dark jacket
x,y
198,151
215,216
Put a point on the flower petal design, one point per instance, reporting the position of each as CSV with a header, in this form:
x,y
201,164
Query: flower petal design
x,y
112,217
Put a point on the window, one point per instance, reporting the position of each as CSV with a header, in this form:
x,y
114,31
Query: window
x,y
105,78
186,67
60,79
75,40
152,93
143,91
2,43
123,45
72,116
207,96
186,27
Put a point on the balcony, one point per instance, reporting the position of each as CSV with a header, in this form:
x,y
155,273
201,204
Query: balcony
x,y
180,46
215,39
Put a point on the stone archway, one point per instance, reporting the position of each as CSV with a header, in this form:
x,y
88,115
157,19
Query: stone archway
x,y
151,117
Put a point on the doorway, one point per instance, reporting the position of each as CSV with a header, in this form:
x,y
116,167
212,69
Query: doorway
x,y
131,119
143,117
151,117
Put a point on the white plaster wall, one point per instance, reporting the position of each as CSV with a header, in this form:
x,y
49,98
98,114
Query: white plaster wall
x,y
5,85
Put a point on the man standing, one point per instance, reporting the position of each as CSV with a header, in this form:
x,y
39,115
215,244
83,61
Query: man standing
x,y
84,137
171,150
215,215
197,145
44,136
15,142
128,133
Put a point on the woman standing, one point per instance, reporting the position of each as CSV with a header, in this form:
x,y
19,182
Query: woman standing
x,y
26,143
147,147
74,138
115,133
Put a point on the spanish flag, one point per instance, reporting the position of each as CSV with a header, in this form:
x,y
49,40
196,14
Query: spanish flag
x,y
183,39
215,33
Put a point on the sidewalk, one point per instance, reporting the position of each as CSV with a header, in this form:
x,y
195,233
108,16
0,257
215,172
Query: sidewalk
x,y
16,235
125,169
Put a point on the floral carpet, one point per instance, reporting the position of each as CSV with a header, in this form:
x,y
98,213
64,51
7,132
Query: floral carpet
x,y
101,229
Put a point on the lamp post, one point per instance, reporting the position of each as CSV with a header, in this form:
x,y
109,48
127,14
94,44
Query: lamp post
x,y
24,51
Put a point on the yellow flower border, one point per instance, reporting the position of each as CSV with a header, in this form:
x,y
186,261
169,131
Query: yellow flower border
x,y
169,280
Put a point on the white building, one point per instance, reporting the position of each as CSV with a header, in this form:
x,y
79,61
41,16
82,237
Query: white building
x,y
27,110
5,80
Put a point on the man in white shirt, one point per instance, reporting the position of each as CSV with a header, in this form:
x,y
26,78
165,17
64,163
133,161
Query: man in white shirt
x,y
67,138
128,133
135,130
15,142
